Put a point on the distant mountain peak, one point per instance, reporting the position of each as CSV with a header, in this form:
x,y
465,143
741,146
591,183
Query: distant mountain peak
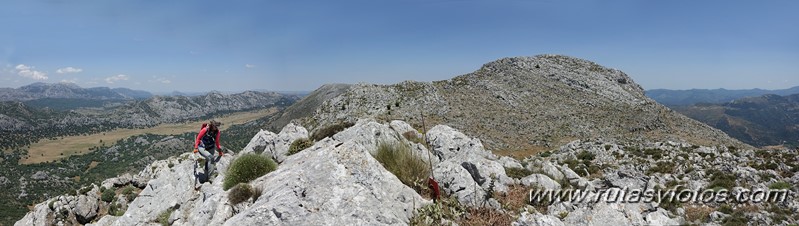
x,y
525,102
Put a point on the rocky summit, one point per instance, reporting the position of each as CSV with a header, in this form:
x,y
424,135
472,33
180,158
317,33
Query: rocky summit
x,y
525,102
337,181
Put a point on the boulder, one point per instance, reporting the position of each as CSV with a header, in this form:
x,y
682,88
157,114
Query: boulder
x,y
367,134
457,181
38,216
509,162
540,181
402,127
259,142
86,208
447,143
280,145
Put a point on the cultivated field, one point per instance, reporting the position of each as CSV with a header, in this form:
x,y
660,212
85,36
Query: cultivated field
x,y
49,150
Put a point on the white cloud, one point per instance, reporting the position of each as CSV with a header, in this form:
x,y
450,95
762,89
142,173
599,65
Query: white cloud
x,y
29,72
249,65
112,79
163,80
68,70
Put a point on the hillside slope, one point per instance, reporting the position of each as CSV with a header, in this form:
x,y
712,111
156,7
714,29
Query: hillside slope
x,y
525,102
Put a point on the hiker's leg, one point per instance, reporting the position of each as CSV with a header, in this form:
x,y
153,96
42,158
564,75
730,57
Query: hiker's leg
x,y
211,163
208,158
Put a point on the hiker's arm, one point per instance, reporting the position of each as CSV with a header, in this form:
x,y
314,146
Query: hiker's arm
x,y
199,137
218,146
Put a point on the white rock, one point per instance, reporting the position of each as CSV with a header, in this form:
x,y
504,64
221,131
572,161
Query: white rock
x,y
540,181
537,219
368,134
282,142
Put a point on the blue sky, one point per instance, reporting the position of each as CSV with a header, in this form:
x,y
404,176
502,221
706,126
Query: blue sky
x,y
299,45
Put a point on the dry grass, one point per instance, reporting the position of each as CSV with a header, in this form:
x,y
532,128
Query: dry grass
x,y
92,165
485,216
516,199
520,154
697,214
50,150
398,159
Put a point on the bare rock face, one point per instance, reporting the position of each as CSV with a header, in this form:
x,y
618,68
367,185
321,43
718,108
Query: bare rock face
x,y
260,142
276,146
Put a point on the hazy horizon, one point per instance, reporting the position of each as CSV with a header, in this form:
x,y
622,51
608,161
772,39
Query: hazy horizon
x,y
296,46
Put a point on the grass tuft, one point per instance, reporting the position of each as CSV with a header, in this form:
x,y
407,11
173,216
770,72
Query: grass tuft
x,y
400,160
240,193
518,173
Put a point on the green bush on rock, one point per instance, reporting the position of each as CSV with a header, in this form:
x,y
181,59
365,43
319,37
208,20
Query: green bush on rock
x,y
246,168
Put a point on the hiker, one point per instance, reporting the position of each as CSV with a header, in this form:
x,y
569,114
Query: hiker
x,y
207,141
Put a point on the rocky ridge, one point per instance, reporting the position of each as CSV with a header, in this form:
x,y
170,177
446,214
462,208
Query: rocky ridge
x,y
546,100
338,182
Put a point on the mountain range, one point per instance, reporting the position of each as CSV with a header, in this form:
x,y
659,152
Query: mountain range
x,y
69,91
714,96
761,121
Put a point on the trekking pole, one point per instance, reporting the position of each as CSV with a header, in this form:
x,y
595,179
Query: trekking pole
x,y
424,137
432,180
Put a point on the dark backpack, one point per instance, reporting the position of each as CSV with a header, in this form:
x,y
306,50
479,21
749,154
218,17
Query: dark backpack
x,y
209,140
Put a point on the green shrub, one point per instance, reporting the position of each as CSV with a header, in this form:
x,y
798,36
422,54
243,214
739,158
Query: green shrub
x,y
735,219
780,185
330,130
586,156
115,209
400,160
240,193
545,154
108,195
127,190
85,190
720,179
299,145
516,172
663,167
724,208
246,168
